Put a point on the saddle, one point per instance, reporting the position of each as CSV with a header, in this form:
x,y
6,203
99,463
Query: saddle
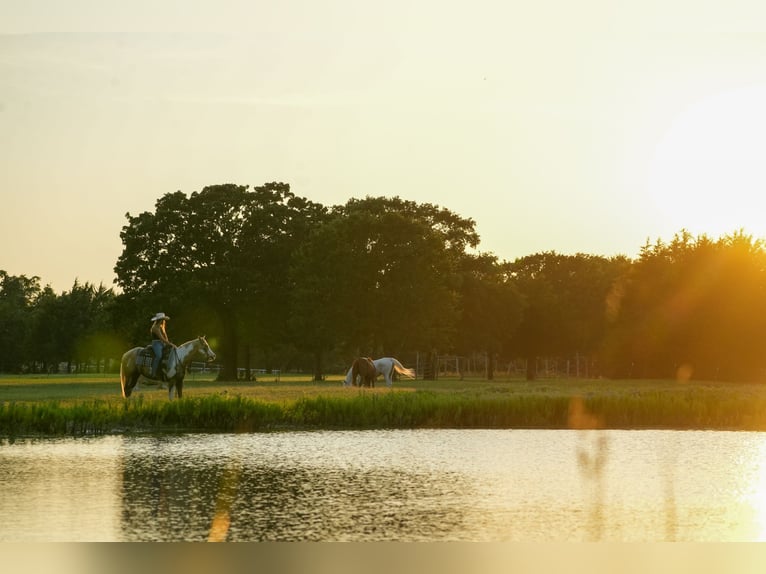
x,y
145,359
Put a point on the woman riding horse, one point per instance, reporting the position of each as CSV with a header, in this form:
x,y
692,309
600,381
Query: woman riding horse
x,y
159,341
135,364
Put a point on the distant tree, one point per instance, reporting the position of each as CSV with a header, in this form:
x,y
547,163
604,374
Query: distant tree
x,y
18,295
691,307
100,341
321,292
46,325
566,303
407,264
491,309
378,278
74,320
75,327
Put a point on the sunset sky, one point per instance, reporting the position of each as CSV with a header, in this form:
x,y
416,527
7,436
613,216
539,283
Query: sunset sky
x,y
585,126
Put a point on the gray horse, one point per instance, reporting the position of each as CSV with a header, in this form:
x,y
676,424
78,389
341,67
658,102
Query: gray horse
x,y
136,363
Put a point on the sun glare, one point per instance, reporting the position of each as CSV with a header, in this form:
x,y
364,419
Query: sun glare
x,y
707,174
755,493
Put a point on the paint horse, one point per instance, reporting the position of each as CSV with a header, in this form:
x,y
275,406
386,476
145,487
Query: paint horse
x,y
386,367
363,367
137,363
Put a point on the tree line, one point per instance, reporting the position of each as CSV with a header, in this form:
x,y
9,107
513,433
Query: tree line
x,y
278,281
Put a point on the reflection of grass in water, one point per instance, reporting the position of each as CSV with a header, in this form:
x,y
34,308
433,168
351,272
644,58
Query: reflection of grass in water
x,y
683,407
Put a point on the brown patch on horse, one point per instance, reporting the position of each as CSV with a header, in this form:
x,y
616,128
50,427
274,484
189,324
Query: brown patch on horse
x,y
365,368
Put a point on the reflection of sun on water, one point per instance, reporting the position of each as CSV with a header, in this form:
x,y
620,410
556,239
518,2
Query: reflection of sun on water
x,y
756,493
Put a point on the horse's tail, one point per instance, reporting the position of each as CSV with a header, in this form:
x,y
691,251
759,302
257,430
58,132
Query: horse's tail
x,y
402,370
123,379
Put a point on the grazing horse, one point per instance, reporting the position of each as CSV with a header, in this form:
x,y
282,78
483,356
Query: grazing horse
x,y
364,367
137,363
386,367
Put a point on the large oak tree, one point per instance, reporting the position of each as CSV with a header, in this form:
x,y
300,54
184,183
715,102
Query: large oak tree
x,y
221,255
380,278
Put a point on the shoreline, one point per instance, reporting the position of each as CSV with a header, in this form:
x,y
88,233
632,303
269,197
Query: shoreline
x,y
82,407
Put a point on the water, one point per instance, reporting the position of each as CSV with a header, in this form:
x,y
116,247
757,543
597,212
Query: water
x,y
419,485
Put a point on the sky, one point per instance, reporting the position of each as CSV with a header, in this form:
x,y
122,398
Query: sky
x,y
576,127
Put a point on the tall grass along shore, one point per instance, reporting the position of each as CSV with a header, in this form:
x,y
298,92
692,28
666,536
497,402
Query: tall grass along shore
x,y
82,406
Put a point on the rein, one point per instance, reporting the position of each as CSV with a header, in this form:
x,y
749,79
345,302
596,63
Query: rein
x,y
188,356
178,361
190,348
180,366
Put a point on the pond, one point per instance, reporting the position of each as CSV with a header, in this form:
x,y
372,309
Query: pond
x,y
398,485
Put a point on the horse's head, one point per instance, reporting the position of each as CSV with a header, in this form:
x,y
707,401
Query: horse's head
x,y
204,349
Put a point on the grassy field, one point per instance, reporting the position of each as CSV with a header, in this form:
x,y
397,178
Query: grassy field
x,y
92,404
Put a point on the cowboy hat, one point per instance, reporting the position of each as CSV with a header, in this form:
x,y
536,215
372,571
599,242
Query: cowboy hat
x,y
160,316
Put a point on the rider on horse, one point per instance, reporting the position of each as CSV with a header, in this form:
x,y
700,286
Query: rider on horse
x,y
159,341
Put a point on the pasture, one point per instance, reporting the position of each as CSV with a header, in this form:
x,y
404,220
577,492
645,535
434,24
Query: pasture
x,y
92,404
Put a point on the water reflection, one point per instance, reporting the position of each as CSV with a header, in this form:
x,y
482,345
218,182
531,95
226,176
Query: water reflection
x,y
753,467
395,485
44,500
165,497
592,456
180,491
668,465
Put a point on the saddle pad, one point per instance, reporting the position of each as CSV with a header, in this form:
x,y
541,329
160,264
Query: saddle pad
x,y
145,358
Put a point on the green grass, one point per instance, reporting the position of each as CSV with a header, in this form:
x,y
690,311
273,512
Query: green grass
x,y
92,404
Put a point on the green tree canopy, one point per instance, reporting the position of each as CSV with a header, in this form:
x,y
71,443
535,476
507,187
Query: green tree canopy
x,y
491,309
380,278
18,295
566,298
691,307
223,252
74,327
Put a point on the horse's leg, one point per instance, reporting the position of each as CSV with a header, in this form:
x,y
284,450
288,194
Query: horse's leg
x,y
133,383
177,386
127,377
129,384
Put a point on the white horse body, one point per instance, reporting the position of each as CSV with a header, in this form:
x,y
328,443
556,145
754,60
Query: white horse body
x,y
386,367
